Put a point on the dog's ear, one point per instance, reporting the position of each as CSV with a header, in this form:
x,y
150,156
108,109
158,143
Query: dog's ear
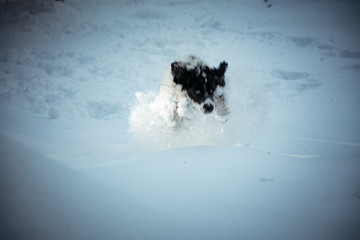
x,y
177,70
180,73
222,67
221,73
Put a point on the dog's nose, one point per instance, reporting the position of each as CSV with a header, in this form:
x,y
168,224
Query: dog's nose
x,y
208,108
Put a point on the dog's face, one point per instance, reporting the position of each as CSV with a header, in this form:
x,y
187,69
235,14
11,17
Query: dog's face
x,y
199,81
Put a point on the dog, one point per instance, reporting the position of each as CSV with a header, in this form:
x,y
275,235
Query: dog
x,y
191,86
190,108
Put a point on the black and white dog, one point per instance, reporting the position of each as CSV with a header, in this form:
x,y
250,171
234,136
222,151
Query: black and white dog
x,y
189,109
191,93
191,85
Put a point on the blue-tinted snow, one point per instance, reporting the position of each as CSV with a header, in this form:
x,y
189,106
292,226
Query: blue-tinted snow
x,y
288,163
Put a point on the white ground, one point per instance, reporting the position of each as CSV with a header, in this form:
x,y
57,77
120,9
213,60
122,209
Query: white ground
x,y
287,165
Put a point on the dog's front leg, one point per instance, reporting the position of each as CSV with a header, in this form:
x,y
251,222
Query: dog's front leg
x,y
222,110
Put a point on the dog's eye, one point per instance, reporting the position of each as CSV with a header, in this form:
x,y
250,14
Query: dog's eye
x,y
211,91
197,92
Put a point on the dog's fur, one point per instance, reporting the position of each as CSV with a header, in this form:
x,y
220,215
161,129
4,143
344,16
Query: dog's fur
x,y
190,83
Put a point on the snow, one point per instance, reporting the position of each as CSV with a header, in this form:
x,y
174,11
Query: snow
x,y
284,166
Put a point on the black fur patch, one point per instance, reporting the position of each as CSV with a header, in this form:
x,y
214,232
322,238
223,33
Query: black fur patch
x,y
199,81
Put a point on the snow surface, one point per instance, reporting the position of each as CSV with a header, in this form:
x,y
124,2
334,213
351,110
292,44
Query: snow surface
x,y
287,162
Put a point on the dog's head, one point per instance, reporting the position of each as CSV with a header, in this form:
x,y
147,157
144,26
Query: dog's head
x,y
199,81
